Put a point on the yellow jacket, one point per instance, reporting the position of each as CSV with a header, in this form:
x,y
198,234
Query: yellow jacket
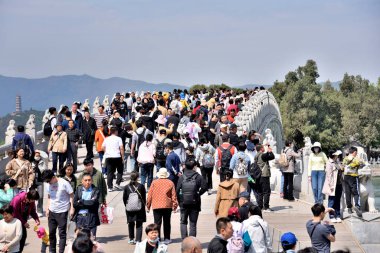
x,y
317,162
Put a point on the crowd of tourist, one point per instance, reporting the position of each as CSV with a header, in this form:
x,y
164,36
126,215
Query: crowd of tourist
x,y
170,144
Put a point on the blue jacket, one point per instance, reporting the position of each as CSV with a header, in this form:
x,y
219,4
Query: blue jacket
x,y
20,136
172,164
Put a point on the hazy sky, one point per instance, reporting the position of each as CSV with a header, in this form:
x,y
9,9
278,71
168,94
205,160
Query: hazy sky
x,y
187,42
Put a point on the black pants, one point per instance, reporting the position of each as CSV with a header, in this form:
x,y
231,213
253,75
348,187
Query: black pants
x,y
351,188
263,189
114,164
23,238
57,220
163,214
131,230
251,187
72,155
288,186
207,176
191,214
89,148
61,157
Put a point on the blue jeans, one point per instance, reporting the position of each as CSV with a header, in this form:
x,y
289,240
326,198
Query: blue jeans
x,y
334,201
282,182
146,172
317,181
104,169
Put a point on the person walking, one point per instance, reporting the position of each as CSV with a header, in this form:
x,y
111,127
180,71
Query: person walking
x,y
74,135
162,199
58,146
100,135
316,171
89,129
240,164
160,142
224,232
135,192
205,155
190,188
263,183
20,170
114,155
223,157
227,195
152,242
86,205
60,205
173,163
10,231
146,160
23,140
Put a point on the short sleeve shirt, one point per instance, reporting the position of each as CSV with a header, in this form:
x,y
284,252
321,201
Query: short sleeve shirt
x,y
60,196
319,238
112,145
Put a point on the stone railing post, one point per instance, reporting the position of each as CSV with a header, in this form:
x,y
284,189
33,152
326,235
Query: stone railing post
x,y
95,105
106,102
30,127
11,132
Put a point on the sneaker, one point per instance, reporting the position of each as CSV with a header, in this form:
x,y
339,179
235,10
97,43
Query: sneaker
x,y
209,191
131,242
291,199
167,241
111,189
358,212
350,211
40,214
268,210
117,187
333,220
338,220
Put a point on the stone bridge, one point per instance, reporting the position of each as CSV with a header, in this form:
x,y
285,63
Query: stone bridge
x,y
260,113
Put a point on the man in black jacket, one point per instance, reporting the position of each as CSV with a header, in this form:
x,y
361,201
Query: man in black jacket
x,y
86,205
190,187
225,231
89,129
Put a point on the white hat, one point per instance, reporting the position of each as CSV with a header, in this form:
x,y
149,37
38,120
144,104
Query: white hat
x,y
316,145
223,125
163,173
338,152
161,119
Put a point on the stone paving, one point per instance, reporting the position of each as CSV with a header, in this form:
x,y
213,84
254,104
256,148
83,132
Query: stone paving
x,y
287,216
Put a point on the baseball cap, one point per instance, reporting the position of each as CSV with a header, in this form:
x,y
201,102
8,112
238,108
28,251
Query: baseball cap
x,y
233,126
288,239
233,211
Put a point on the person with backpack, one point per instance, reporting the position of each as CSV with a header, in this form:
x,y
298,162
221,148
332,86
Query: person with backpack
x,y
49,126
134,198
20,170
223,157
258,231
138,137
58,146
160,142
288,163
146,160
23,140
173,163
240,164
162,198
89,129
179,147
263,180
189,190
227,195
204,154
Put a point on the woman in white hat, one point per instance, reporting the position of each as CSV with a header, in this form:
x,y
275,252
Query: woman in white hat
x,y
163,199
316,171
161,121
333,186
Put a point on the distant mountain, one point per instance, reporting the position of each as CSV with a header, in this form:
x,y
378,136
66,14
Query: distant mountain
x,y
41,93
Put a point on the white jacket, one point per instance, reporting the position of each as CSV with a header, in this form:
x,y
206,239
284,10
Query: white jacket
x,y
147,151
141,247
261,241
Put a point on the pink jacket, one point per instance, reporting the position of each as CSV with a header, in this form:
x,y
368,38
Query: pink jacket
x,y
19,204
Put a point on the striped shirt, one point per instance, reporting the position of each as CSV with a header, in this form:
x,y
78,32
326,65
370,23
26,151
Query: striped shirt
x,y
99,118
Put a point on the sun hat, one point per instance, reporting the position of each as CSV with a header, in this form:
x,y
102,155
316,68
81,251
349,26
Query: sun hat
x,y
163,173
317,145
338,152
161,119
288,239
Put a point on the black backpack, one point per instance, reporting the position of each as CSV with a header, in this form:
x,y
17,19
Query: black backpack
x,y
47,127
255,171
21,144
189,189
140,139
160,150
226,157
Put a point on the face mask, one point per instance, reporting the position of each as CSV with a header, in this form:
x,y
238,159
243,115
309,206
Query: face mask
x,y
154,241
37,158
316,150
